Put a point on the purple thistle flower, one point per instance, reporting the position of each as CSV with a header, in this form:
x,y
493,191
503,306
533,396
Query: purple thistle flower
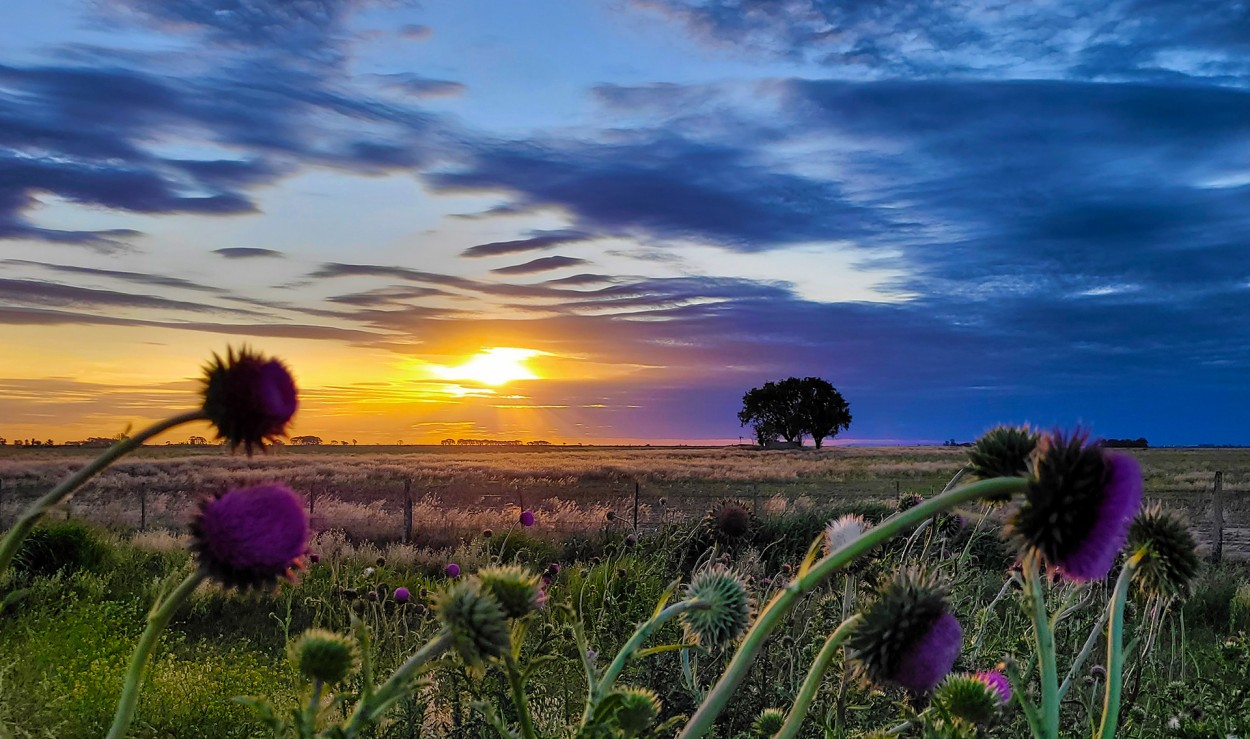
x,y
998,682
452,570
248,398
1079,505
401,595
1091,559
251,537
527,518
931,657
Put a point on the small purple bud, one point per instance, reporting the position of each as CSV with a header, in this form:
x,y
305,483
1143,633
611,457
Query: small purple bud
x,y
452,570
527,518
402,595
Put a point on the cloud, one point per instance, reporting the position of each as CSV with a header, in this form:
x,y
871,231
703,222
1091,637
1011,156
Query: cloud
x,y
1128,39
543,264
246,252
538,241
415,32
421,87
662,184
41,293
124,276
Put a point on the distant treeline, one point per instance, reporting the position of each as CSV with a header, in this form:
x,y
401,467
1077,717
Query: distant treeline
x,y
1126,443
493,442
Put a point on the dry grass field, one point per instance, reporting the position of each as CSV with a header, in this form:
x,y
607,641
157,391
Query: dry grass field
x,y
363,490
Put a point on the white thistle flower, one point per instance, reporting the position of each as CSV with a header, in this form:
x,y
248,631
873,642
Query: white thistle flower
x,y
369,572
842,531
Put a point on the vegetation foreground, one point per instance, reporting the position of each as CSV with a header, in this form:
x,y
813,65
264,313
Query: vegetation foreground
x,y
1035,594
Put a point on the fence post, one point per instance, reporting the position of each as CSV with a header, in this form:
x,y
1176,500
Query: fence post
x,y
143,508
635,505
755,498
407,510
1,504
1217,518
312,499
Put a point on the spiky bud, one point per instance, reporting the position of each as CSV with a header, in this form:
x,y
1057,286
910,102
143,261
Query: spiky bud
x,y
908,635
324,655
637,710
516,588
768,723
1078,505
971,698
729,522
907,501
251,537
475,619
249,399
726,611
1003,451
1171,563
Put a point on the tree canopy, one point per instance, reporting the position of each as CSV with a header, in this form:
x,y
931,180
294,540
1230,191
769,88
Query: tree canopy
x,y
794,408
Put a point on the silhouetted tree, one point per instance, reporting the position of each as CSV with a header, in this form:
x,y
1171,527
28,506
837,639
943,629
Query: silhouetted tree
x,y
793,408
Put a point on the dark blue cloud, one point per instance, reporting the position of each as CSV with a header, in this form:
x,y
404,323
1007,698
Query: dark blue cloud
x,y
542,264
656,183
1133,39
246,252
537,241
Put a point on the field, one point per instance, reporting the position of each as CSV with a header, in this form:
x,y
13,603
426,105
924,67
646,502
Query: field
x,y
458,491
88,581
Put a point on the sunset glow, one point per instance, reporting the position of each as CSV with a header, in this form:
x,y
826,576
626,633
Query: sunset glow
x,y
494,367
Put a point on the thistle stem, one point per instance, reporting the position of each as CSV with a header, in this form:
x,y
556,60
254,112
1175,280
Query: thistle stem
x,y
798,712
518,698
158,619
1115,649
641,634
776,609
375,704
1044,638
17,534
1086,650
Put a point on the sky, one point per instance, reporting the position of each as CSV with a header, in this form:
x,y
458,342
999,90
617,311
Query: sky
x,y
605,220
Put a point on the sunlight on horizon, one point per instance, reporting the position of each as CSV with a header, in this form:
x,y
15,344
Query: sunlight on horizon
x,y
493,367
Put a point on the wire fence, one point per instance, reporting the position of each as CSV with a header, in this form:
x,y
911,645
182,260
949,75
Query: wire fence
x,y
430,513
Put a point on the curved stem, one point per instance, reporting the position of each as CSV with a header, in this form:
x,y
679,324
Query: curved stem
x,y
776,609
518,698
798,712
13,538
1115,649
369,709
1085,651
1044,639
158,619
641,634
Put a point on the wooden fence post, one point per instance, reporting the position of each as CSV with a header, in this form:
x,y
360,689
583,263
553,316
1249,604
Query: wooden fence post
x,y
1,504
312,499
407,510
1217,518
755,498
635,505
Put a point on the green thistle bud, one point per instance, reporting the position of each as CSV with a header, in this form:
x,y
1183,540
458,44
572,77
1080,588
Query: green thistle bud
x,y
324,655
475,619
516,588
728,608
908,636
1003,451
1171,560
638,710
768,723
968,698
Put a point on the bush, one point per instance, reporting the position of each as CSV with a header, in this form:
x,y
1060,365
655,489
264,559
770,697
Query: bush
x,y
1239,610
67,546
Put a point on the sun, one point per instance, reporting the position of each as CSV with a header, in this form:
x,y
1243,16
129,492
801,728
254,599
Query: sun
x,y
494,367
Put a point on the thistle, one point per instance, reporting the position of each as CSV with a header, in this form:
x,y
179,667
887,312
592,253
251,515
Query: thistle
x,y
908,636
248,398
727,609
842,531
1003,451
729,522
251,537
476,621
1171,563
768,723
324,656
401,595
976,699
637,710
516,589
1078,505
